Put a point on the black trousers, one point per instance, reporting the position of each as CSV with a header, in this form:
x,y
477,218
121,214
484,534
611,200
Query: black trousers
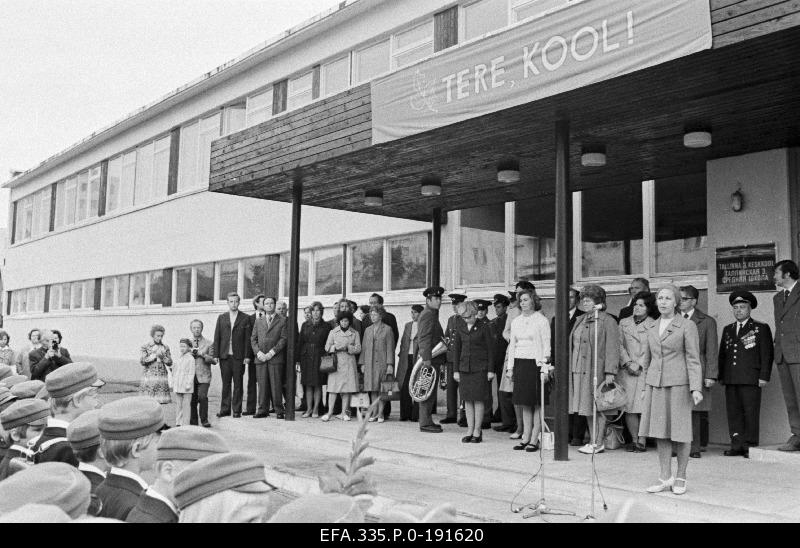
x,y
507,409
199,399
578,425
270,383
427,408
699,430
409,409
232,373
743,404
252,382
452,393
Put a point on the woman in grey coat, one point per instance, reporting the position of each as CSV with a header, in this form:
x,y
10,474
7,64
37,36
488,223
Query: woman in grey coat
x,y
377,357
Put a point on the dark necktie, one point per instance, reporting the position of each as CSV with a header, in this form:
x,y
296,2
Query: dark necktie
x,y
738,327
686,316
785,296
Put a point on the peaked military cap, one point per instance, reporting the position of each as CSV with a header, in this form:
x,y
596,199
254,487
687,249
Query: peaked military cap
x,y
499,298
71,378
457,297
417,307
742,296
434,291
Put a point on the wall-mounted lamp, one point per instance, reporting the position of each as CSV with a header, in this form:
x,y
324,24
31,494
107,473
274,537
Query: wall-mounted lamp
x,y
508,170
373,198
594,156
431,185
697,139
737,200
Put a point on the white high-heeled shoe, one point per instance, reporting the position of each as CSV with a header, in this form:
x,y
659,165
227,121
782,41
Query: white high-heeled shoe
x,y
679,490
662,485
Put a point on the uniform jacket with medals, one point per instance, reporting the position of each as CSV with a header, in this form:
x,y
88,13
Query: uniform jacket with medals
x,y
746,358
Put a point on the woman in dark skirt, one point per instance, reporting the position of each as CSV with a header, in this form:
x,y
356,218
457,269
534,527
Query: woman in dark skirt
x,y
474,351
528,347
311,347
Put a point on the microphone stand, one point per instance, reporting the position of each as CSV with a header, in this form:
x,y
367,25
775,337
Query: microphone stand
x,y
595,481
540,507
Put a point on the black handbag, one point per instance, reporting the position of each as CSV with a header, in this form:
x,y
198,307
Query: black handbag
x,y
390,388
328,363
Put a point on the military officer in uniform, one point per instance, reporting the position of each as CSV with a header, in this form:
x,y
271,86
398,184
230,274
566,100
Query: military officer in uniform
x,y
745,363
429,334
452,385
482,316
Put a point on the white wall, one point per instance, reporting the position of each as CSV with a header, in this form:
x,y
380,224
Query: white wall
x,y
763,178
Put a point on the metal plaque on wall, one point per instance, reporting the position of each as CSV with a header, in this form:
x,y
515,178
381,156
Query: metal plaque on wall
x,y
749,267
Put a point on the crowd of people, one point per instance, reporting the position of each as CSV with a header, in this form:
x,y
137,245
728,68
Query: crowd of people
x,y
660,357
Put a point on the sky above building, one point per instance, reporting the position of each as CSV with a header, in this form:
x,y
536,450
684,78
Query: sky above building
x,y
71,67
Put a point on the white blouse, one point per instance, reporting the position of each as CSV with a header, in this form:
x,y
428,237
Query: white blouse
x,y
530,337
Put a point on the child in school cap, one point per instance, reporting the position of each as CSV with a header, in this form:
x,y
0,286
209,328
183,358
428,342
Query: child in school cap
x,y
217,473
71,378
189,443
84,432
56,483
22,412
27,389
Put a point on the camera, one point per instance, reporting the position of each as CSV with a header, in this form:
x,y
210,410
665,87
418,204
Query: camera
x,y
54,346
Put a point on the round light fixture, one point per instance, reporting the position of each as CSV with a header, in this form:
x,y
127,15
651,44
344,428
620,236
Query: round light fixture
x,y
697,139
373,198
508,170
431,185
593,159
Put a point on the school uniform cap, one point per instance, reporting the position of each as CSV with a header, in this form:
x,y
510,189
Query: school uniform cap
x,y
189,443
6,371
130,418
6,398
70,378
56,483
417,307
482,304
217,473
13,380
83,432
27,389
456,297
433,291
742,296
21,412
43,394
499,298
320,508
36,513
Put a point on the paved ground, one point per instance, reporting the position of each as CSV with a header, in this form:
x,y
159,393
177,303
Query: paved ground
x,y
482,479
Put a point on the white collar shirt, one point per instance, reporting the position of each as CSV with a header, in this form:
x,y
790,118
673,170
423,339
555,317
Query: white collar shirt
x,y
128,474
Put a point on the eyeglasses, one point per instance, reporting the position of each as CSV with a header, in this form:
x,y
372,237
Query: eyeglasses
x,y
687,298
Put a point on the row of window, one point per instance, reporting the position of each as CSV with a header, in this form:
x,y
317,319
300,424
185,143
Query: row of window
x,y
661,229
140,176
391,264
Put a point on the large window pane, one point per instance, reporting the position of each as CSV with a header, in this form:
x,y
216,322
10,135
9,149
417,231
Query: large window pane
x,y
55,298
234,118
144,174
60,209
205,283
83,196
69,201
366,259
483,245
485,16
187,164
228,278
335,76
523,10
611,244
299,90
77,295
88,294
128,180
65,295
302,291
94,192
44,216
157,287
372,61
37,207
413,44
259,108
534,239
409,261
113,182
138,283
254,277
123,287
209,131
681,228
160,169
108,292
183,285
328,263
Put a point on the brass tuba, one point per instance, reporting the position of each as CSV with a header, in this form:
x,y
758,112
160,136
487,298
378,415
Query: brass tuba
x,y
423,379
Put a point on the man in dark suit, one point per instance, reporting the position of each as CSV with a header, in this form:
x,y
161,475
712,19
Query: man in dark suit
x,y
390,320
577,423
252,392
269,340
707,331
637,285
787,344
429,335
233,351
745,362
409,346
505,409
452,385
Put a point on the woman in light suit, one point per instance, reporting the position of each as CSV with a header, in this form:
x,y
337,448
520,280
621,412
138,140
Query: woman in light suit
x,y
673,387
377,357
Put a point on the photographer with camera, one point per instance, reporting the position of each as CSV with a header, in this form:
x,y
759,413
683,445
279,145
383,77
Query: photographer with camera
x,y
48,357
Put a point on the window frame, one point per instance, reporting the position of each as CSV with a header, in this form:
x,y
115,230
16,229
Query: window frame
x,y
219,295
267,107
395,51
348,57
290,94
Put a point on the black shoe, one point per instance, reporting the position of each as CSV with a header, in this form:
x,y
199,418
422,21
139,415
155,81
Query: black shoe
x,y
280,416
404,419
497,418
249,413
477,439
629,447
432,429
695,454
674,454
532,448
509,428
466,439
486,425
734,452
448,420
220,415
206,425
639,448
521,446
237,415
575,442
260,415
301,408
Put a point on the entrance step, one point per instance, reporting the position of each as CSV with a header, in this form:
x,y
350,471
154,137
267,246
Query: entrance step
x,y
770,453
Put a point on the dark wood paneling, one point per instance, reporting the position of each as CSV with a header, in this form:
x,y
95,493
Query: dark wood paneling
x,y
47,299
14,222
279,96
98,293
53,205
271,274
315,83
166,288
736,21
445,29
8,303
101,202
174,158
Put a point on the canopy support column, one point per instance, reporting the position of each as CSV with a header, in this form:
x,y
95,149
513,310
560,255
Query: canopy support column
x,y
436,247
294,283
